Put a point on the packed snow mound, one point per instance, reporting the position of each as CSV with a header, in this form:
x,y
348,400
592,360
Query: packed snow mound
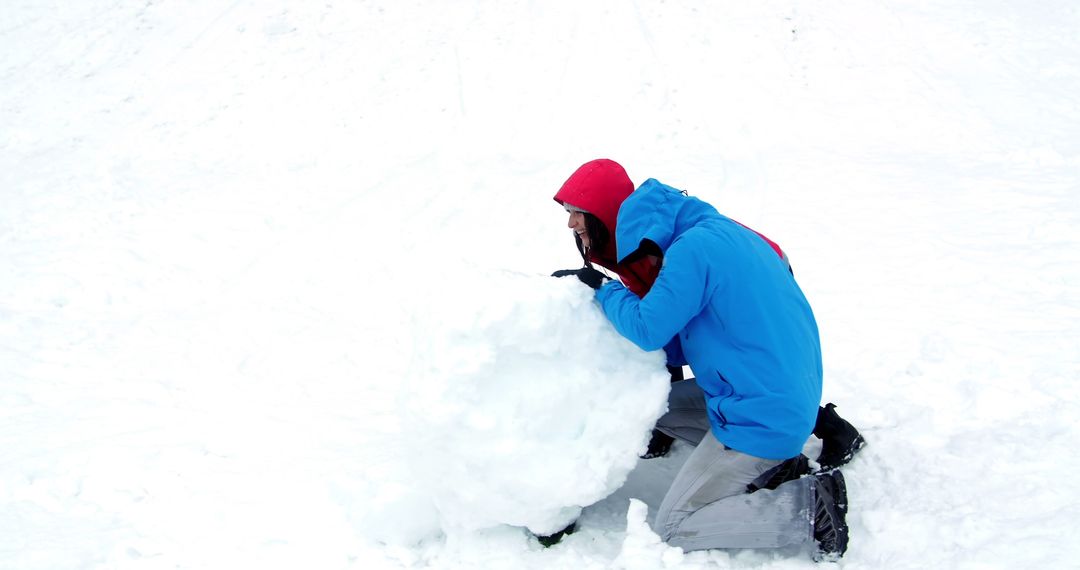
x,y
523,404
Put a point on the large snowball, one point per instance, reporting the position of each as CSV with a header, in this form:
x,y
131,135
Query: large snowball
x,y
522,403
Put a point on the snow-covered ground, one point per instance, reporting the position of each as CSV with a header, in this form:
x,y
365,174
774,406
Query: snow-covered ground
x,y
274,293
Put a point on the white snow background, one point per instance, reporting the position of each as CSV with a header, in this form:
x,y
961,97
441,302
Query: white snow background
x,y
274,292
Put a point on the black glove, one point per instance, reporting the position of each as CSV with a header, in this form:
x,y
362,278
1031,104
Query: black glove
x,y
591,277
587,275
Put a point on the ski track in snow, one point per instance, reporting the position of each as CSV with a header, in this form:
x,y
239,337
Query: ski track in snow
x,y
234,239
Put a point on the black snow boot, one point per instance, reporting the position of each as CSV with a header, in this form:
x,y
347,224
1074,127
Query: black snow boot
x,y
789,470
659,445
830,516
550,540
840,441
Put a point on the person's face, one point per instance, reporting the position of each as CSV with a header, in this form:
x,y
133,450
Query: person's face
x,y
577,223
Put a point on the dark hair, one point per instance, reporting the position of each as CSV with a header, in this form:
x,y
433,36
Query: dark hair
x,y
598,236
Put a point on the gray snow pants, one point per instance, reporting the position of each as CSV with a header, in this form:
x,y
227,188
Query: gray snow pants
x,y
707,505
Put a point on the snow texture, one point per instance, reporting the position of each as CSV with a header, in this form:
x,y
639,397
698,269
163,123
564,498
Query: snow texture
x,y
274,283
521,409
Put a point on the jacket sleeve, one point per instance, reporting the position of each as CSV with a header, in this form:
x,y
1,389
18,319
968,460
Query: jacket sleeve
x,y
679,294
673,350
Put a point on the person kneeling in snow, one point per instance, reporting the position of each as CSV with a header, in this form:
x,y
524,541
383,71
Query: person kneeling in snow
x,y
722,299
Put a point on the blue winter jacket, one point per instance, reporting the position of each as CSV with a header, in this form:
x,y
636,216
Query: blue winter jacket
x,y
729,305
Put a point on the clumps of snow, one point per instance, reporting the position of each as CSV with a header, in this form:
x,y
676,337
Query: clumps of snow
x,y
642,548
521,405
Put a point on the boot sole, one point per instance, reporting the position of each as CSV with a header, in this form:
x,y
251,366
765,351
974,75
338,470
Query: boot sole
x,y
856,447
837,542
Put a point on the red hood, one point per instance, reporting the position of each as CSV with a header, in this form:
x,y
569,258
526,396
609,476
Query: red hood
x,y
598,187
